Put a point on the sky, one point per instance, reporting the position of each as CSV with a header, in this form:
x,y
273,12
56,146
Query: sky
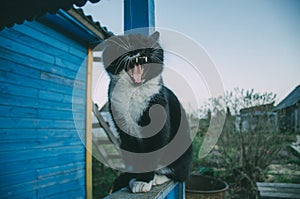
x,y
253,44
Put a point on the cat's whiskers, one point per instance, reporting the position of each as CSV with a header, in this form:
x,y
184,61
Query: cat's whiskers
x,y
155,56
127,63
156,59
124,44
119,63
130,47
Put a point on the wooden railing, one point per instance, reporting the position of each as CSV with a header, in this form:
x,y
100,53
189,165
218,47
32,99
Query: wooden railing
x,y
278,190
170,190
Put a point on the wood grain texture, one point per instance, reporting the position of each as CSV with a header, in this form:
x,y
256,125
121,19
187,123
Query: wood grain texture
x,y
42,154
88,142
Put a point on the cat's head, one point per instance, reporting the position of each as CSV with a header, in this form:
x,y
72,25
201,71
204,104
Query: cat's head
x,y
138,56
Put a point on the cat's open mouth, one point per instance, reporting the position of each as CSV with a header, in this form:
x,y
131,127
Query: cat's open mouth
x,y
137,70
136,73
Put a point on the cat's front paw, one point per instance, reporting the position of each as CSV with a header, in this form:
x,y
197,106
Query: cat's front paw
x,y
139,186
160,179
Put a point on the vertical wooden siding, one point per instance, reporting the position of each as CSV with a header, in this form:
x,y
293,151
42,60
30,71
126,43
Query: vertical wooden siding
x,y
41,154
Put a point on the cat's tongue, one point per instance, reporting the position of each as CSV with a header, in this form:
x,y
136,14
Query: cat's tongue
x,y
136,73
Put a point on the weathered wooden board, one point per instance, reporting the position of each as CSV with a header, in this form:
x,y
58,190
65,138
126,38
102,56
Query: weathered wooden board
x,y
41,153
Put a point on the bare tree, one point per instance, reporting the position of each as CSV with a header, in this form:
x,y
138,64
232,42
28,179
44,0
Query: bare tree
x,y
245,153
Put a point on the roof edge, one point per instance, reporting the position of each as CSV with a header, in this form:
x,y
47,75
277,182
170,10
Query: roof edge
x,y
94,27
75,23
291,96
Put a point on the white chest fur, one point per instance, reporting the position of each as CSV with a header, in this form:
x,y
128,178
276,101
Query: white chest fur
x,y
128,102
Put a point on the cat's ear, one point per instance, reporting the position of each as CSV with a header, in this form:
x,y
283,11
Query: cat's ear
x,y
154,37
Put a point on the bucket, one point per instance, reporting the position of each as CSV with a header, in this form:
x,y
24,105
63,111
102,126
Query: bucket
x,y
203,187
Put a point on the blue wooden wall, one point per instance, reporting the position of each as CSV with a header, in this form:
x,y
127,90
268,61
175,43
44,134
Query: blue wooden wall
x,y
41,155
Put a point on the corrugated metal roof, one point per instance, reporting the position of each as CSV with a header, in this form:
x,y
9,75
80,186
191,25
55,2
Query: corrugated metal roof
x,y
17,11
88,21
292,99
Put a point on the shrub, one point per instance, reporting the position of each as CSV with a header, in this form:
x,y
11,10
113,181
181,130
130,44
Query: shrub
x,y
249,141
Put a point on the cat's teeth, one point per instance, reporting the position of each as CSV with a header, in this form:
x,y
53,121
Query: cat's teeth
x,y
146,59
136,60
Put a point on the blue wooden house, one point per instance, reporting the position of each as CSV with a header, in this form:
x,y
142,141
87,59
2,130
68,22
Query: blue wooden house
x,y
44,73
45,97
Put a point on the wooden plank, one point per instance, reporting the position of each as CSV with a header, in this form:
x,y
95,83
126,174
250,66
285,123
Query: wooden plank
x,y
13,111
76,193
60,183
15,90
12,67
16,60
27,82
12,156
59,97
63,80
102,141
278,185
28,112
278,195
36,84
30,40
74,189
21,145
88,131
278,190
47,186
32,53
29,123
18,178
105,126
48,33
20,101
40,163
30,194
37,134
9,89
23,190
60,169
60,114
97,59
157,192
96,126
29,52
13,73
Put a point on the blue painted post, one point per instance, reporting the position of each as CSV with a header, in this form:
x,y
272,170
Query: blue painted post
x,y
139,14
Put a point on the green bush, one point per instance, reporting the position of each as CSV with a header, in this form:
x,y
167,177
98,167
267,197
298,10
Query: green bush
x,y
248,143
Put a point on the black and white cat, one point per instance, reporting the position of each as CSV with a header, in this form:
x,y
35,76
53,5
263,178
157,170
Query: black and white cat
x,y
134,63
